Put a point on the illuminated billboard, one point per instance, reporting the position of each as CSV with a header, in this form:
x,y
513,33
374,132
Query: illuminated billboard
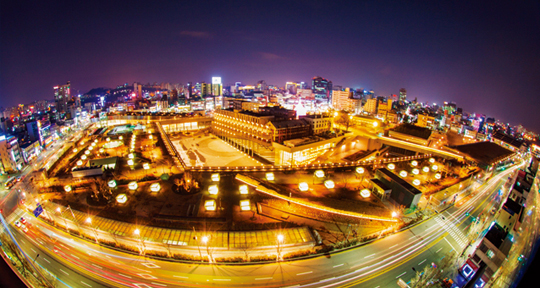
x,y
216,80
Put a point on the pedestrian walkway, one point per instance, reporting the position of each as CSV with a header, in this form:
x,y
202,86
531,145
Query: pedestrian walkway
x,y
451,228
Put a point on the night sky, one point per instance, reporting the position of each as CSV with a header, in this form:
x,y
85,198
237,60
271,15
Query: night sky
x,y
484,56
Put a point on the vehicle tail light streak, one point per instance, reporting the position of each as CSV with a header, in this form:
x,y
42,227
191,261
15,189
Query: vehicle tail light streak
x,y
422,242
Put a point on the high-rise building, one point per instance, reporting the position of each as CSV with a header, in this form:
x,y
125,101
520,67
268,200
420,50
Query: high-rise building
x,y
371,106
217,86
261,85
321,88
402,96
62,94
340,99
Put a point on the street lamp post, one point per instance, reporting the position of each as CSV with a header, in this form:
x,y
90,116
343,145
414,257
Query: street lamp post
x,y
142,247
89,221
205,241
279,240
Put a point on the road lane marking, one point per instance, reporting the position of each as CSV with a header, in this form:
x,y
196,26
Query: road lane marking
x,y
33,250
150,265
338,265
97,266
393,246
221,279
265,278
124,275
75,256
64,272
422,262
370,255
86,284
401,274
449,243
147,276
177,276
438,250
158,284
47,260
304,273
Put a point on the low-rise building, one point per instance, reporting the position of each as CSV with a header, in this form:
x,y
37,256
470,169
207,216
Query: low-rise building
x,y
319,124
288,129
425,120
492,251
411,133
30,150
403,193
304,150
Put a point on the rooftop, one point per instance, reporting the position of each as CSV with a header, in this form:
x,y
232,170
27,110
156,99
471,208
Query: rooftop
x,y
289,123
484,152
413,130
508,139
400,181
496,235
511,207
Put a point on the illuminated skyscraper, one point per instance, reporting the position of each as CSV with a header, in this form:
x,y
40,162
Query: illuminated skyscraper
x,y
402,95
62,94
217,86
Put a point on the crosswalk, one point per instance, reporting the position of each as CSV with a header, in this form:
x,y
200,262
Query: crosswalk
x,y
451,228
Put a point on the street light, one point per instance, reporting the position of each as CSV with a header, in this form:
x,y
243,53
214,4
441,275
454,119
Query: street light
x,y
205,241
365,193
280,240
141,243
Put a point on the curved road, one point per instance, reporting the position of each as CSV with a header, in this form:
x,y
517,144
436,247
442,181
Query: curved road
x,y
79,263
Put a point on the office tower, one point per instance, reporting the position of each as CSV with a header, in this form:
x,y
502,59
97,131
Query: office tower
x,y
62,94
402,95
217,86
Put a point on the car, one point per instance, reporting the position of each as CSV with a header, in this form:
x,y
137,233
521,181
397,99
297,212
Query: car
x,y
18,224
23,221
24,228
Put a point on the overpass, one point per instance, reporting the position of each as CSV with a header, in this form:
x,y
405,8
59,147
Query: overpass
x,y
418,148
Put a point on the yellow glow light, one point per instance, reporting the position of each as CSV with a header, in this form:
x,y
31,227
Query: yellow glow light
x,y
303,187
365,193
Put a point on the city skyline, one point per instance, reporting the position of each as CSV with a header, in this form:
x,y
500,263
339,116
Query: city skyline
x,y
483,57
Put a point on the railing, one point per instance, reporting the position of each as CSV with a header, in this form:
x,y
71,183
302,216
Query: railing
x,y
321,166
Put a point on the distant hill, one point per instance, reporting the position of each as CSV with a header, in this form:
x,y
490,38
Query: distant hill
x,y
97,91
